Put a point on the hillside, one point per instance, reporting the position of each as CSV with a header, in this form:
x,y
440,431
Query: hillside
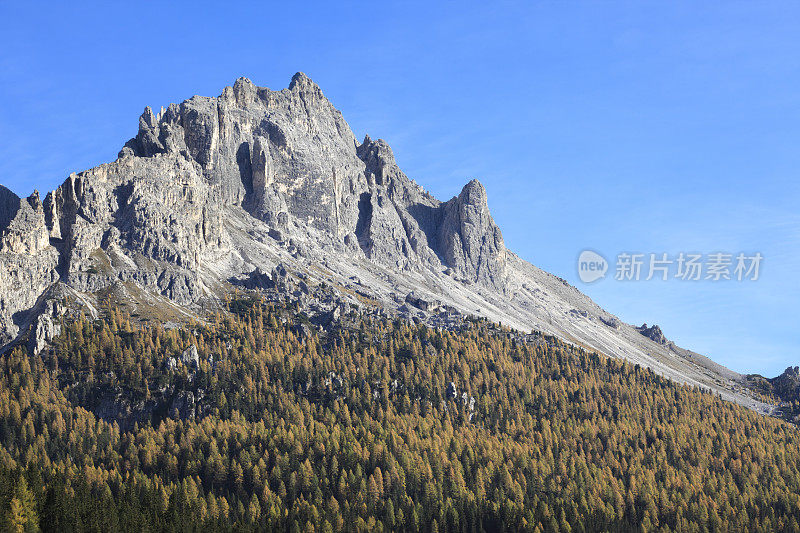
x,y
259,420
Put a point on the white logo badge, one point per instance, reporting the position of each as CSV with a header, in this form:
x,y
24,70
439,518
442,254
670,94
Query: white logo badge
x,y
591,266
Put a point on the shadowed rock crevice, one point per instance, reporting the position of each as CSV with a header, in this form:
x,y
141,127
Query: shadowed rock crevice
x,y
429,219
245,173
364,221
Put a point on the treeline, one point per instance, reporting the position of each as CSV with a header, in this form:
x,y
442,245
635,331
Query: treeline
x,y
372,428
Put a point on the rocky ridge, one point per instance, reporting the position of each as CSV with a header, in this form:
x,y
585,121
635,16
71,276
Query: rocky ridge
x,y
270,190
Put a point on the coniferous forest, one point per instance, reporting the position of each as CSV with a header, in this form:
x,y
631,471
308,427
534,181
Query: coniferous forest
x,y
373,425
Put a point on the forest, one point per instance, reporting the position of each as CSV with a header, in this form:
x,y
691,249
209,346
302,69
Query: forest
x,y
373,425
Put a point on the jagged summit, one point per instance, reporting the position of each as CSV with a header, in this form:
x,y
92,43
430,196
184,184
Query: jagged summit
x,y
256,187
301,82
476,249
284,159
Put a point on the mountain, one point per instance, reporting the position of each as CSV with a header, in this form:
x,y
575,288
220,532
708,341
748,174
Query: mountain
x,y
270,190
783,390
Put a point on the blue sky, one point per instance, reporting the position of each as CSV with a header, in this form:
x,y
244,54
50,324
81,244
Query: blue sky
x,y
641,126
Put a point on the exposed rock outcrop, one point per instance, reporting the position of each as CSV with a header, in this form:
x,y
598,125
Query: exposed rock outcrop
x,y
28,263
469,240
612,322
787,385
44,329
653,333
157,216
190,357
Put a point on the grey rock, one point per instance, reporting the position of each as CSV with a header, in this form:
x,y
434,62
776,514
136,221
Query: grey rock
x,y
257,279
421,303
653,333
28,263
612,322
792,372
469,240
190,357
787,385
113,405
579,313
452,391
44,329
329,318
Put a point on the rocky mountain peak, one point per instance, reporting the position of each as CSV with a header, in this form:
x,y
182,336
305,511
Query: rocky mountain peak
x,y
474,194
791,374
148,119
474,203
378,158
304,86
22,226
301,81
244,91
34,200
214,192
288,160
470,242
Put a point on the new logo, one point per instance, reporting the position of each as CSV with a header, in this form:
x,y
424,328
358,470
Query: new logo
x,y
591,266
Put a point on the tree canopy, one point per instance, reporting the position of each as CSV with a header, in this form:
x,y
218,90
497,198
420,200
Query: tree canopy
x,y
376,425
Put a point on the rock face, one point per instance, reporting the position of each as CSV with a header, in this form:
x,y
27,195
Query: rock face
x,y
787,385
43,329
215,193
469,241
190,357
287,158
653,333
784,388
28,264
